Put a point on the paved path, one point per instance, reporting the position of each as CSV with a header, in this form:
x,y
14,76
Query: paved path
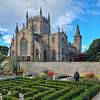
x,y
97,97
6,77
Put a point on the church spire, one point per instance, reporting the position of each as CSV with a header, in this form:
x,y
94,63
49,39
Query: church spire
x,y
77,31
27,14
78,40
13,36
16,30
49,16
40,11
27,19
58,29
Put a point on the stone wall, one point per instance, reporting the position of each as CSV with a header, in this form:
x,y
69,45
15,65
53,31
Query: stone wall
x,y
61,67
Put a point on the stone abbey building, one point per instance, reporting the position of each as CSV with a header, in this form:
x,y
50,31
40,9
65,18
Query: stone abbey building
x,y
35,42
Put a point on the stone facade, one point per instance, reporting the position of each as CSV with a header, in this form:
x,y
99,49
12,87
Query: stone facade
x,y
35,42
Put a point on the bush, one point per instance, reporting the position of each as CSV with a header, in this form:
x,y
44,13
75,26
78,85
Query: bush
x,y
4,91
72,94
9,98
56,94
89,75
15,93
89,93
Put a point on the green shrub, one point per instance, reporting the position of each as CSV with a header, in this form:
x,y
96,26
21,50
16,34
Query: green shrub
x,y
9,98
56,94
89,93
4,91
30,94
15,93
42,94
72,94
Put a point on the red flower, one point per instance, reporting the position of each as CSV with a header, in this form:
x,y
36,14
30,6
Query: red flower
x,y
50,73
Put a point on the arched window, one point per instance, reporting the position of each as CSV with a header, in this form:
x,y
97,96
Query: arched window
x,y
37,39
37,55
23,47
53,39
53,55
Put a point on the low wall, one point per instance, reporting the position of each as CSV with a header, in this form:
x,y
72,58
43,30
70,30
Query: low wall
x,y
61,67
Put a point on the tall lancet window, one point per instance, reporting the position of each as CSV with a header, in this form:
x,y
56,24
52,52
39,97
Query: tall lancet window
x,y
23,47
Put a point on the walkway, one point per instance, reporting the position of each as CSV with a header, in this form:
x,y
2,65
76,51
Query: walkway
x,y
97,97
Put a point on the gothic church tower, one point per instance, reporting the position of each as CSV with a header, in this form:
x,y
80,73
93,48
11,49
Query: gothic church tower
x,y
78,40
41,24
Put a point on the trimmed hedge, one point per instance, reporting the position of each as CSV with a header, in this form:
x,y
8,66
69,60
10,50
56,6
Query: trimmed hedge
x,y
55,94
72,94
9,98
41,89
89,93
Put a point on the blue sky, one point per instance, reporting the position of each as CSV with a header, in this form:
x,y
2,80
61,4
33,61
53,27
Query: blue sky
x,y
65,13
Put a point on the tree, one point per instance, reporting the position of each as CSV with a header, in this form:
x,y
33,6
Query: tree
x,y
80,57
93,53
3,53
4,50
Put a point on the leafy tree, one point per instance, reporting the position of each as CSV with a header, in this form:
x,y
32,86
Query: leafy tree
x,y
2,58
93,53
4,50
3,53
81,57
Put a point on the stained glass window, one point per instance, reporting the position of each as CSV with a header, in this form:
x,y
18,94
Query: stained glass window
x,y
23,47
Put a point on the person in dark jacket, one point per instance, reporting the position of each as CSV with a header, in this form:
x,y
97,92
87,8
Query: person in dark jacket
x,y
76,76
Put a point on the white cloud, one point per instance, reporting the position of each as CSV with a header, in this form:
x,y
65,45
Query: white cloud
x,y
3,29
84,47
62,12
7,39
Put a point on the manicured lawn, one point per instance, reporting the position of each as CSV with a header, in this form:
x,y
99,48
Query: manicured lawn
x,y
40,89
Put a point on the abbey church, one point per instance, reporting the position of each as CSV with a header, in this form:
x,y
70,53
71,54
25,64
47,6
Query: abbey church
x,y
35,41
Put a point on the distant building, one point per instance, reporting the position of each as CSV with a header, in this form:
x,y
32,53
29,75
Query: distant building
x,y
35,42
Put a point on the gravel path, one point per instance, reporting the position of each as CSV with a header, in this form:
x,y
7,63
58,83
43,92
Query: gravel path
x,y
97,97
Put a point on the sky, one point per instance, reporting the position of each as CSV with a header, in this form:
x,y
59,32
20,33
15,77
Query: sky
x,y
64,13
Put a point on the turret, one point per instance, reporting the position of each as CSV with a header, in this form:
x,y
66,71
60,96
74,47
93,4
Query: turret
x,y
16,30
13,36
23,25
40,11
58,29
78,40
77,31
27,19
48,16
